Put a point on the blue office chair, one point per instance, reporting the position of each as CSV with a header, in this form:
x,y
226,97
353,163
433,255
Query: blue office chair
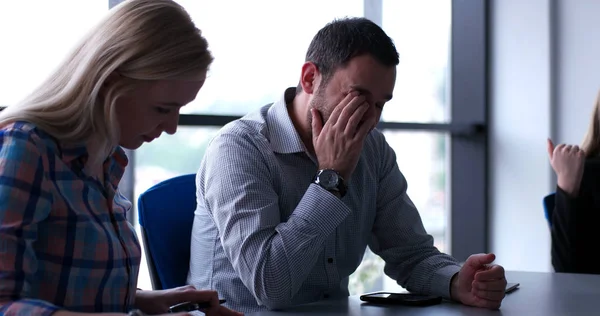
x,y
166,213
549,207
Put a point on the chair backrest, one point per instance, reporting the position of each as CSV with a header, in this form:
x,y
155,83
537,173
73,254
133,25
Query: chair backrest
x,y
549,207
166,213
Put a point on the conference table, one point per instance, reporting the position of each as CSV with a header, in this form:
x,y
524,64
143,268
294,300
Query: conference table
x,y
540,293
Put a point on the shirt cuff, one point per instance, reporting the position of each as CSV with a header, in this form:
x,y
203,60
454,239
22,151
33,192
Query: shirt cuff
x,y
440,282
322,209
28,307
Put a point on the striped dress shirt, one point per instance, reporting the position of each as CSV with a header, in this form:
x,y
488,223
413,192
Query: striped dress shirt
x,y
65,242
265,237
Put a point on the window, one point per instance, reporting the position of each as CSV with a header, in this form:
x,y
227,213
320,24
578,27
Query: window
x,y
421,32
259,57
171,155
35,36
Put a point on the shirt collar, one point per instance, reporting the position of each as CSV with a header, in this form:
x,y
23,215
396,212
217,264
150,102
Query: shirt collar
x,y
116,165
281,131
77,154
70,152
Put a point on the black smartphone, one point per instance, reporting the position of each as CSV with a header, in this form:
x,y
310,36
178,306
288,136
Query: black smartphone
x,y
510,287
408,299
190,306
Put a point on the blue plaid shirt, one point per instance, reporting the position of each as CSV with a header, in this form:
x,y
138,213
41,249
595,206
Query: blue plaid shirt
x,y
65,242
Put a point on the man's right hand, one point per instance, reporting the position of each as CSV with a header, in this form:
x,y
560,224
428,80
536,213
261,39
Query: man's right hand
x,y
339,142
568,162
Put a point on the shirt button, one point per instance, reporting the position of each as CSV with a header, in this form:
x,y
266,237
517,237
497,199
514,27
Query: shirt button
x,y
330,260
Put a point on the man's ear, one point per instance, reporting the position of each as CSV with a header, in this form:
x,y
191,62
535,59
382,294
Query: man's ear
x,y
310,77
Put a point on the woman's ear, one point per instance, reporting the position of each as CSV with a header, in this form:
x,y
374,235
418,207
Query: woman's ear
x,y
111,79
110,83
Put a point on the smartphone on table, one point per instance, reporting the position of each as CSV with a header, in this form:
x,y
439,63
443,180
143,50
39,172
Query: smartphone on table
x,y
410,299
407,299
510,287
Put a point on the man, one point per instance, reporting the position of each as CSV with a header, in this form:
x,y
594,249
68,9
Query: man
x,y
290,196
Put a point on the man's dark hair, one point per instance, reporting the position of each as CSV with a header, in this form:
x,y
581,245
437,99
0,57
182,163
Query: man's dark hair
x,y
343,39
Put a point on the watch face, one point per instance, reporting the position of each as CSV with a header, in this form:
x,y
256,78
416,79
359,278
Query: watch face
x,y
328,179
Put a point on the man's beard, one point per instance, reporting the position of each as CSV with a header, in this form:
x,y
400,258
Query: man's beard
x,y
319,103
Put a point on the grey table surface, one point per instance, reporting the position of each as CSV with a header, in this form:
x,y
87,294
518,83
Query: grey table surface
x,y
548,294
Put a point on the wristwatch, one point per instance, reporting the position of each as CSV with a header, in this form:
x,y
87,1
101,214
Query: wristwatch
x,y
136,312
331,180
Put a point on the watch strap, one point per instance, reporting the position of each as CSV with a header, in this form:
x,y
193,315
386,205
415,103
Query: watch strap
x,y
342,187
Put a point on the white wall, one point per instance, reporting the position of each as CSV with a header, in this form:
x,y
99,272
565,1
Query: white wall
x,y
520,123
545,72
579,66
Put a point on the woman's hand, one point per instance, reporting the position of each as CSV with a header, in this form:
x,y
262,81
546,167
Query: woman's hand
x,y
568,162
158,302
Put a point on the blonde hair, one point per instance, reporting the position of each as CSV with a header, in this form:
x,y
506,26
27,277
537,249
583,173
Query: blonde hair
x,y
139,40
591,141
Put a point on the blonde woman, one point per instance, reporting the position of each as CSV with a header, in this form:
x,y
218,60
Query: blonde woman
x,y
577,212
66,247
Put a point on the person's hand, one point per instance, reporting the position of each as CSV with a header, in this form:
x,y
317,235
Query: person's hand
x,y
158,302
339,142
568,162
479,283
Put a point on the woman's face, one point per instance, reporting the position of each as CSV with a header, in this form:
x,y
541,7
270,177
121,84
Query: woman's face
x,y
153,108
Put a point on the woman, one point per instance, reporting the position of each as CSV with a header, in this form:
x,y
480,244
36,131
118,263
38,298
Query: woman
x,y
577,212
65,245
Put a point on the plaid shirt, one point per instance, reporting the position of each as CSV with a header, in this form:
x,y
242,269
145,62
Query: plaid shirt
x,y
64,238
